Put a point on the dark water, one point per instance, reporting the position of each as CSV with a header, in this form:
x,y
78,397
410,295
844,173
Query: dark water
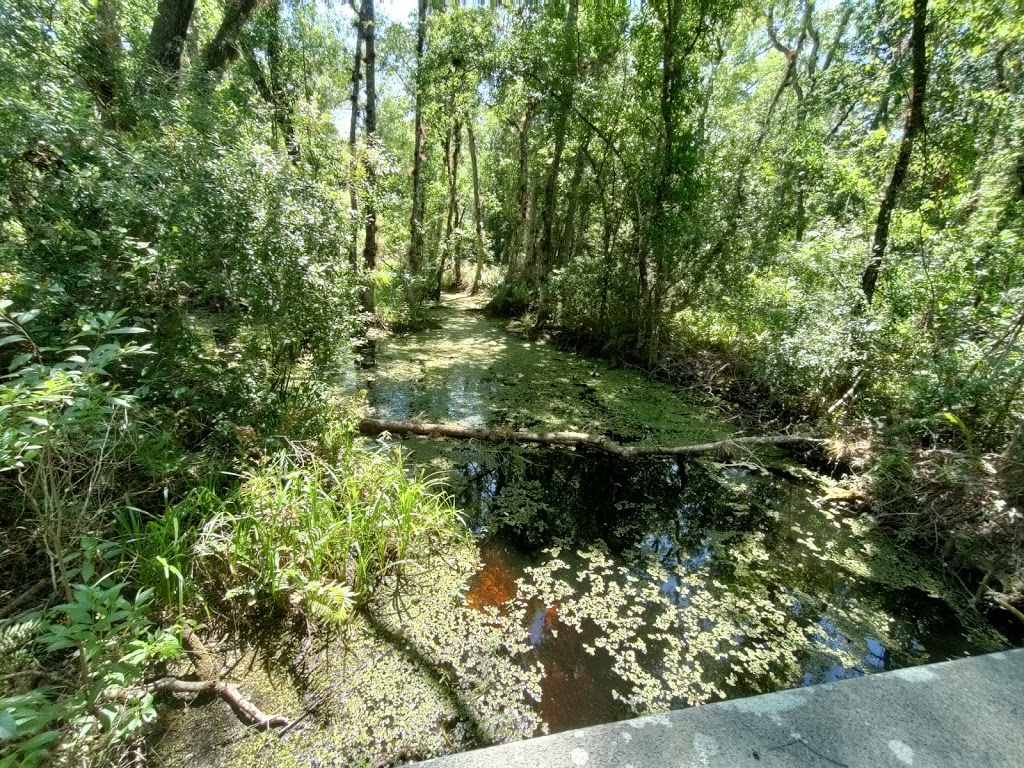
x,y
652,584
664,524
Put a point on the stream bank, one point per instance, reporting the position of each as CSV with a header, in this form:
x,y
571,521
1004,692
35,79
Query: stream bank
x,y
592,588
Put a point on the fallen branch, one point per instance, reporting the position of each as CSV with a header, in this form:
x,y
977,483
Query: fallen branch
x,y
998,600
25,598
207,669
568,439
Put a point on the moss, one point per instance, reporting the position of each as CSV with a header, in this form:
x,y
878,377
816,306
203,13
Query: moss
x,y
204,731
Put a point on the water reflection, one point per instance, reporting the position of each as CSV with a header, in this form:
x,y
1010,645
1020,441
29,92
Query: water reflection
x,y
647,584
704,585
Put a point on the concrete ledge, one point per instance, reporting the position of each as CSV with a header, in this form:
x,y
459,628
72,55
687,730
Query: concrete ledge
x,y
967,713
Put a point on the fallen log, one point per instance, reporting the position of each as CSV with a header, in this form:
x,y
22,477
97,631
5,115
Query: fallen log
x,y
373,427
248,711
24,599
207,669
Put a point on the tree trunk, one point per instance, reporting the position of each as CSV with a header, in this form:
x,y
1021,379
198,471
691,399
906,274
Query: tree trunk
x,y
570,439
457,252
101,56
545,245
223,49
453,150
272,92
478,213
913,126
530,233
652,286
546,242
167,37
357,68
281,102
369,29
418,158
516,257
567,241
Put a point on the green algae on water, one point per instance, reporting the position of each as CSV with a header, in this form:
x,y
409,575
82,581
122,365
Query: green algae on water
x,y
412,677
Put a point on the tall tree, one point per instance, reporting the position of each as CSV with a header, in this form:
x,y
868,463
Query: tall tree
x,y
520,226
478,213
353,134
652,279
281,100
101,54
270,80
452,152
563,104
912,127
167,37
369,32
223,48
419,138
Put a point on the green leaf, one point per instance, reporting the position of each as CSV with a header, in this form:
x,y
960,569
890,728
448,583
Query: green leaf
x,y
27,317
40,740
78,614
108,715
14,338
131,329
59,644
8,726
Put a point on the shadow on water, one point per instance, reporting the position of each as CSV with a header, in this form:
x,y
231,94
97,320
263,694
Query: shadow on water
x,y
440,675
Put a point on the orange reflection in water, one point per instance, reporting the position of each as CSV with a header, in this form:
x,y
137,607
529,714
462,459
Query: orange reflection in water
x,y
551,616
495,583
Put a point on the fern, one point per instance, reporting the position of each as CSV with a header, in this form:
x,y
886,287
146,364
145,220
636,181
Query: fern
x,y
16,645
326,602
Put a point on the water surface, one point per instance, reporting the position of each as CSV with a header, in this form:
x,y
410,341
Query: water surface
x,y
638,586
591,589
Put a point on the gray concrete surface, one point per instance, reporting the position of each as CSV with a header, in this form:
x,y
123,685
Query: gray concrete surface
x,y
967,713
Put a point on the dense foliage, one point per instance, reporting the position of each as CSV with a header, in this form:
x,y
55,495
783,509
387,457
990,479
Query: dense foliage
x,y
814,209
177,305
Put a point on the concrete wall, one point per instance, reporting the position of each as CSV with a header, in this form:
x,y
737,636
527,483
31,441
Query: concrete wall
x,y
967,713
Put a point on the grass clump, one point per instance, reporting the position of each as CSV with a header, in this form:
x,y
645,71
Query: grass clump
x,y
299,533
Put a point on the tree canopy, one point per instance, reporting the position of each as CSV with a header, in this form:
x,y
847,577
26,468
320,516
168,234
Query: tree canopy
x,y
813,209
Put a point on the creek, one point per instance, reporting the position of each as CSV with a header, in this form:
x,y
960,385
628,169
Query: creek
x,y
649,584
587,588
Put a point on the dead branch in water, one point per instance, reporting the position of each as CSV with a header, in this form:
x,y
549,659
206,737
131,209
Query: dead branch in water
x,y
569,439
207,669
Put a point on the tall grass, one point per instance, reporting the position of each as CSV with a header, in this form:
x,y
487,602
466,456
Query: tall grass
x,y
158,551
298,532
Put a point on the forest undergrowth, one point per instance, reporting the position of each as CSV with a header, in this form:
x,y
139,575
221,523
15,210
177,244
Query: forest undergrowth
x,y
813,210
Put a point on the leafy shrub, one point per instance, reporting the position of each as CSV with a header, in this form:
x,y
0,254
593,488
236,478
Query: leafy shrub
x,y
98,646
